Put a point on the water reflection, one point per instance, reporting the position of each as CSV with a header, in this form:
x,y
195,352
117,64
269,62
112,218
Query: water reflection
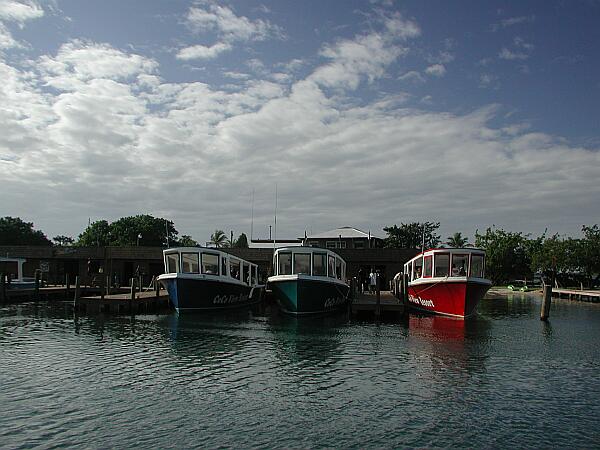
x,y
307,341
451,343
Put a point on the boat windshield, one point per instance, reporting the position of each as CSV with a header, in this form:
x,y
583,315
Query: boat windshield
x,y
331,266
460,263
234,268
172,262
210,263
442,265
319,264
302,263
477,266
285,264
189,262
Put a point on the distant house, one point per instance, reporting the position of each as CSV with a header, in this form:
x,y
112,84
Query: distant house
x,y
268,243
343,237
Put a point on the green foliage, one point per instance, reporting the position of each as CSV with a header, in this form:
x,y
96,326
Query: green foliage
x,y
508,254
143,230
457,240
218,238
410,235
187,241
96,234
62,240
242,241
13,231
589,250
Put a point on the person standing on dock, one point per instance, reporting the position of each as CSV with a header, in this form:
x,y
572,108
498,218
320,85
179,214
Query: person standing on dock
x,y
372,281
361,280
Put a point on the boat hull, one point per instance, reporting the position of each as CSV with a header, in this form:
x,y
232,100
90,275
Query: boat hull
x,y
308,296
457,298
206,295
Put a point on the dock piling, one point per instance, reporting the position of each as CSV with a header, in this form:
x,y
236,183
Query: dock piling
x,y
405,291
156,287
77,292
546,302
37,286
2,287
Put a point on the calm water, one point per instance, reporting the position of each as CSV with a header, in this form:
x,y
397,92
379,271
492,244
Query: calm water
x,y
503,379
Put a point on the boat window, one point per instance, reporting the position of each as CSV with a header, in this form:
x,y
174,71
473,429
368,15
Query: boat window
x,y
223,265
442,264
319,264
189,262
285,264
172,262
459,265
302,263
408,270
253,279
428,266
210,263
477,266
246,278
331,266
330,244
418,266
338,268
234,268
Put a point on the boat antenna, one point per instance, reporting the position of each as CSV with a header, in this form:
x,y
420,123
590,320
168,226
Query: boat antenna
x,y
252,218
423,241
167,232
275,235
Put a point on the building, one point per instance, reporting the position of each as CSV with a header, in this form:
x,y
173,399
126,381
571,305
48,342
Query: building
x,y
344,237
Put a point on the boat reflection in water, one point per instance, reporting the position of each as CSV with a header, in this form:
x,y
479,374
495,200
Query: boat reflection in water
x,y
450,344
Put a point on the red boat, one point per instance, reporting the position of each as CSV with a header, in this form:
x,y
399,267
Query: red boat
x,y
449,281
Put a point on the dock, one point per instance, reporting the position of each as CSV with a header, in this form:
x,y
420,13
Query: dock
x,y
575,294
123,303
367,304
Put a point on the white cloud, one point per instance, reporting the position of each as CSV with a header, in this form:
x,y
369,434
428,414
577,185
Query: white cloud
x,y
6,39
228,25
19,11
413,76
511,56
112,138
437,70
203,52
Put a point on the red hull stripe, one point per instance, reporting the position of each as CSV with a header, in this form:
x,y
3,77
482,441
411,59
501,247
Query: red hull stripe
x,y
454,299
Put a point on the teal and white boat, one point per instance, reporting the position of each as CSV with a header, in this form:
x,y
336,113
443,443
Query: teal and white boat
x,y
309,280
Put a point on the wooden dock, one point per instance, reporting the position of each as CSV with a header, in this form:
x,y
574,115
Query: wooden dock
x,y
367,304
575,294
136,303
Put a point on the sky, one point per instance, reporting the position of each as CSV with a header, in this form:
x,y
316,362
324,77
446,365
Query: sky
x,y
216,115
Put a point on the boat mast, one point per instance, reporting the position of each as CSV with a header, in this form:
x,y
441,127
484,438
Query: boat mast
x,y
275,236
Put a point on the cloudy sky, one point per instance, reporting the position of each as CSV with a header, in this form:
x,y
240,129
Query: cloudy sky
x,y
361,114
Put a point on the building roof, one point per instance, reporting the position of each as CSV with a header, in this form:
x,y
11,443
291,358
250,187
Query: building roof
x,y
268,243
344,232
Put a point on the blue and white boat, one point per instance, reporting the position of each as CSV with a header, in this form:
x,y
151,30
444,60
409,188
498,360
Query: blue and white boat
x,y
199,278
7,266
309,280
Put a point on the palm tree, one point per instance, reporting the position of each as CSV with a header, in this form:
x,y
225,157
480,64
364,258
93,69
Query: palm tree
x,y
218,238
456,240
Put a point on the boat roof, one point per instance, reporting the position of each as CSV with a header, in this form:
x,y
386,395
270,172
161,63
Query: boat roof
x,y
344,232
308,250
200,249
451,250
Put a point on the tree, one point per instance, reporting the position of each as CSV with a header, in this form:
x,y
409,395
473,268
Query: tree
x,y
242,241
457,240
129,231
141,230
589,252
410,235
508,254
97,234
14,231
218,238
187,241
62,241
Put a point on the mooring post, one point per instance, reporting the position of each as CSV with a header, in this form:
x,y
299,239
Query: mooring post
x,y
67,286
405,291
107,281
77,292
140,283
133,288
102,288
37,285
156,287
2,287
378,297
546,302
